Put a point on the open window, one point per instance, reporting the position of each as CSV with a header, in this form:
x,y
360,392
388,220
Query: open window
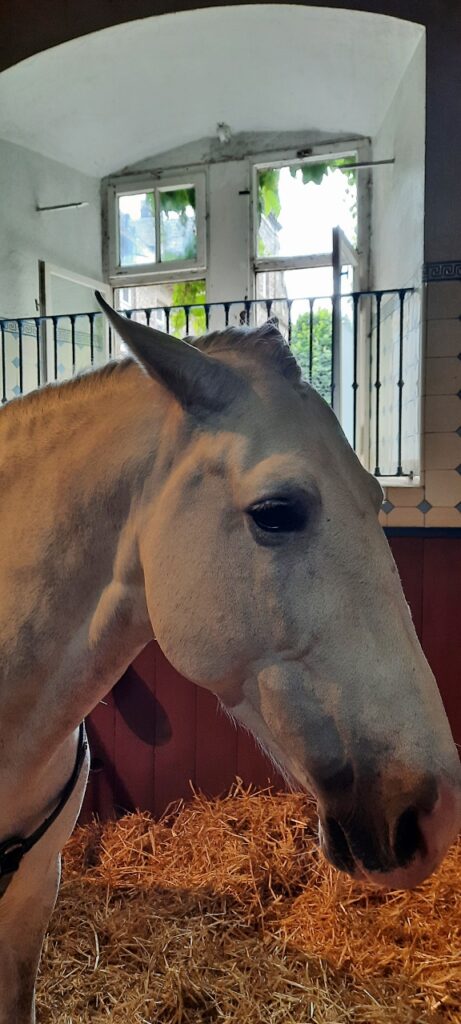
x,y
305,263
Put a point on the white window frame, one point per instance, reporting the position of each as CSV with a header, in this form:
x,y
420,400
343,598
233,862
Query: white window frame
x,y
158,271
358,150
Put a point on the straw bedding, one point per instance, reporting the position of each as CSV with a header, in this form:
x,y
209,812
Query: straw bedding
x,y
225,911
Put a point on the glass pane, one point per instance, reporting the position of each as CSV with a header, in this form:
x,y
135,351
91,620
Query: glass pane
x,y
299,205
165,306
136,227
178,224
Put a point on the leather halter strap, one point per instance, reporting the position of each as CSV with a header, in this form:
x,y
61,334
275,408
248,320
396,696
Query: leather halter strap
x,y
13,850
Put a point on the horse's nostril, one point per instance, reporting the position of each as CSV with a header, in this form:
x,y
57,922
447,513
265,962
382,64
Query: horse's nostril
x,y
338,847
409,839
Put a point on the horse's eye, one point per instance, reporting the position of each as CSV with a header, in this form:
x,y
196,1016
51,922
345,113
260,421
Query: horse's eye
x,y
279,515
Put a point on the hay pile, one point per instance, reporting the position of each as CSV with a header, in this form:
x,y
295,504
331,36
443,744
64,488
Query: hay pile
x,y
226,912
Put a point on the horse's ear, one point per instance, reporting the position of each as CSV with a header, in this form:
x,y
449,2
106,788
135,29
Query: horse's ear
x,y
200,383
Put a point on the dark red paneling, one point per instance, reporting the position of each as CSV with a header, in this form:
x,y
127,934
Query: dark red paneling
x,y
216,746
252,766
409,556
442,621
174,762
135,733
99,797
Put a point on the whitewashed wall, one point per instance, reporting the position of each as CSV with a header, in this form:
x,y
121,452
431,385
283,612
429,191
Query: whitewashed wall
x,y
70,239
397,254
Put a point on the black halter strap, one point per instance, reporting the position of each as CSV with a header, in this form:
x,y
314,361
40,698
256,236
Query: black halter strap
x,y
12,850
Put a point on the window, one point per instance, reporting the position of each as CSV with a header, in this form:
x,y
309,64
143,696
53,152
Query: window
x,y
304,252
156,228
299,204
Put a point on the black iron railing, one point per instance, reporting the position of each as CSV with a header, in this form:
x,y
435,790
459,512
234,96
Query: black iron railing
x,y
349,346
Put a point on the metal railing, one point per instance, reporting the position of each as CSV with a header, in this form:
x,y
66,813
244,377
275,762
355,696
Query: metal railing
x,y
351,348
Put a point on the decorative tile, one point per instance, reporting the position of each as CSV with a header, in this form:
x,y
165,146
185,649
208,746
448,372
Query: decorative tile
x,y
387,507
442,451
443,376
443,270
443,301
441,413
405,497
424,506
405,517
458,431
443,338
443,487
443,517
458,506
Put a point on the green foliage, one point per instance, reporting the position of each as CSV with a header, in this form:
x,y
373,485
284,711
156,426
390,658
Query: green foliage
x,y
322,323
268,193
177,201
268,186
188,293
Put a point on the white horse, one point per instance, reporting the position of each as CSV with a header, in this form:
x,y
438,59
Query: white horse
x,y
207,495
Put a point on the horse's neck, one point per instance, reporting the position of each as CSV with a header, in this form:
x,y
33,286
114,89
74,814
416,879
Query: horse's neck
x,y
73,611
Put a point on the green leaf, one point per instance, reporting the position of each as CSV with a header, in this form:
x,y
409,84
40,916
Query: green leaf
x,y
188,293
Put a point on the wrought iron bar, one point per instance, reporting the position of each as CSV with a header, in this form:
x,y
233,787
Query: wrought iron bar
x,y
400,383
355,383
38,348
91,317
311,338
4,398
378,296
72,337
54,320
20,355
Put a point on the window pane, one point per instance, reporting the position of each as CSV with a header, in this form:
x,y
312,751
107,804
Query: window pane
x,y
178,224
167,303
136,225
299,205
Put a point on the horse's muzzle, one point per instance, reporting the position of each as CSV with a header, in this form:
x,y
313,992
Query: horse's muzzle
x,y
396,854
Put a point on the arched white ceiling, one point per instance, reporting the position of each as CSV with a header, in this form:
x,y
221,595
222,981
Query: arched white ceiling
x,y
109,99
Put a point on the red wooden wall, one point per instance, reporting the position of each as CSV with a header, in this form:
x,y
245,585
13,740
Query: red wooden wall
x,y
156,732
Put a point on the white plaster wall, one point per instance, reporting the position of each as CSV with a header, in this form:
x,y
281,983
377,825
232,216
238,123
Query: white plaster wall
x,y
397,253
70,239
398,189
229,265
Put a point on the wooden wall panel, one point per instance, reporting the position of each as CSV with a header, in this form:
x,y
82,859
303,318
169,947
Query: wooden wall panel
x,y
409,556
216,746
442,621
100,725
174,762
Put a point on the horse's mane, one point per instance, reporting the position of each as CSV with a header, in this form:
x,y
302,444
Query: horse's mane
x,y
264,343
